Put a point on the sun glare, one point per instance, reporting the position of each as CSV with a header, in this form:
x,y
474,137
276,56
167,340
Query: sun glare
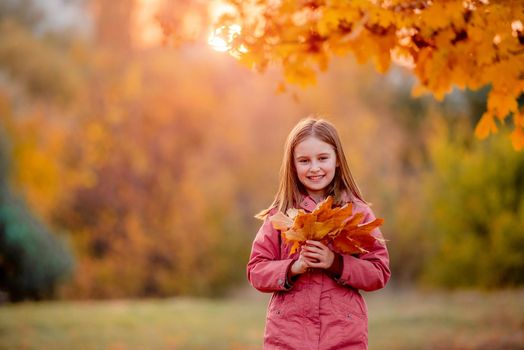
x,y
222,38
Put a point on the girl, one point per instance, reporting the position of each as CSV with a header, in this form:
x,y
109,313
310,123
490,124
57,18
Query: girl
x,y
316,302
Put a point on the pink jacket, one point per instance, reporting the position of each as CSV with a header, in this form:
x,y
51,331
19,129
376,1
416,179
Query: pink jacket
x,y
316,311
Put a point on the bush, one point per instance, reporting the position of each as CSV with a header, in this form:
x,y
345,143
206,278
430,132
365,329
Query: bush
x,y
32,259
475,194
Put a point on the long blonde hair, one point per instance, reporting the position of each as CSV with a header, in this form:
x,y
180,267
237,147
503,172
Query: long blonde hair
x,y
290,190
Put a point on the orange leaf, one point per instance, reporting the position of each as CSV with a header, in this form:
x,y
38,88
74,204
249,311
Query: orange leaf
x,y
517,138
281,221
347,245
356,238
485,126
334,226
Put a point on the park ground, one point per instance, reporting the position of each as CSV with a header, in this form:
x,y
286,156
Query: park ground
x,y
403,320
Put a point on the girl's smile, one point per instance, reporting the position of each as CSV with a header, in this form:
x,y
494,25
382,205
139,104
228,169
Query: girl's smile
x,y
315,163
316,178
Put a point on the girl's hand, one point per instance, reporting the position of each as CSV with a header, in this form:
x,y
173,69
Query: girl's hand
x,y
299,266
317,255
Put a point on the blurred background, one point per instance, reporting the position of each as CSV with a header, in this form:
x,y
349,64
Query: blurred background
x,y
131,167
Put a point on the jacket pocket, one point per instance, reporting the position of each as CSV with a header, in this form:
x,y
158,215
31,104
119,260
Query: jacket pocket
x,y
348,325
346,301
348,304
281,331
286,304
274,308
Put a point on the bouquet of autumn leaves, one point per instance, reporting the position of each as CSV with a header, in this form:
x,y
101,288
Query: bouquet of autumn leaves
x,y
337,226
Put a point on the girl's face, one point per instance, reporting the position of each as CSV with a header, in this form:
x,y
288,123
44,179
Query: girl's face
x,y
316,162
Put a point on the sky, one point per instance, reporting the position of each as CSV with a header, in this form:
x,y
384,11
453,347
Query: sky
x,y
64,14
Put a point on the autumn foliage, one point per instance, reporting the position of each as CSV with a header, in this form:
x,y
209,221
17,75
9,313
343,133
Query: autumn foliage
x,y
331,225
149,162
466,44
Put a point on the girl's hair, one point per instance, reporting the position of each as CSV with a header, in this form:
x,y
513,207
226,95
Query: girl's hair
x,y
290,190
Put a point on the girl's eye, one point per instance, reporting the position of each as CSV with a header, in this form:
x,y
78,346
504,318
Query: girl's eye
x,y
323,158
303,161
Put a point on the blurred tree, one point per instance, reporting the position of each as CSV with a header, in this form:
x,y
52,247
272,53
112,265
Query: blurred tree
x,y
35,65
22,11
153,200
35,76
149,200
149,165
32,259
475,212
106,15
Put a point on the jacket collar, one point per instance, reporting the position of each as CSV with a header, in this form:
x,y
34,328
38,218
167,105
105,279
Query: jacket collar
x,y
308,203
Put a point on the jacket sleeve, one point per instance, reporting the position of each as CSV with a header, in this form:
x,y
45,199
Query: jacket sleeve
x,y
265,270
369,271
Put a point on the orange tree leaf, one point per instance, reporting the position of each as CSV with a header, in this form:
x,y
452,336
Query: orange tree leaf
x,y
355,238
322,229
468,44
347,245
281,221
322,211
334,226
295,238
304,222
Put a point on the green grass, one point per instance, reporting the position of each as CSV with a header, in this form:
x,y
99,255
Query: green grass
x,y
402,320
438,321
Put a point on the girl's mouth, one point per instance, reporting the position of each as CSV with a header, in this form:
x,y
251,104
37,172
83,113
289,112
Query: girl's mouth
x,y
315,178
